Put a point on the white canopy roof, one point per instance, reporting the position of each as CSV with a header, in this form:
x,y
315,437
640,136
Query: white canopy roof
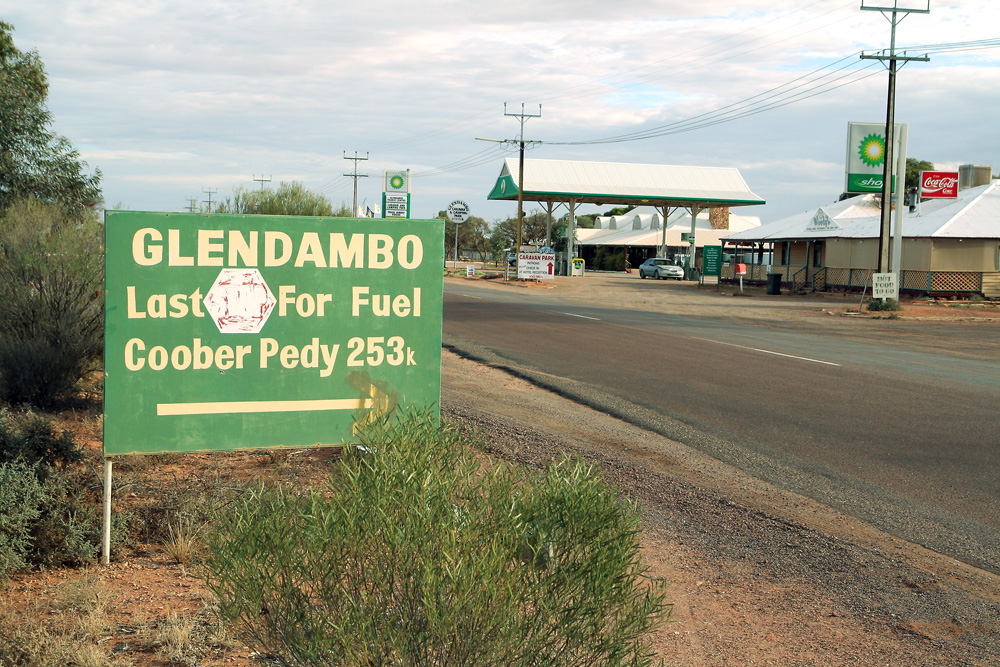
x,y
624,183
975,213
641,227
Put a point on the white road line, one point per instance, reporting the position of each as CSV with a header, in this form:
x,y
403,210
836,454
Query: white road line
x,y
583,316
779,354
469,296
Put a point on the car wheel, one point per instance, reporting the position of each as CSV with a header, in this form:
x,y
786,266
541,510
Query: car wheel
x,y
641,274
658,276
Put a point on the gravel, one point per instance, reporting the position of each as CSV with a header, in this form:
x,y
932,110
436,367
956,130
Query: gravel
x,y
759,575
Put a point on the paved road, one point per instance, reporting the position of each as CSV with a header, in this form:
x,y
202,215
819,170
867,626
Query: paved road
x,y
901,431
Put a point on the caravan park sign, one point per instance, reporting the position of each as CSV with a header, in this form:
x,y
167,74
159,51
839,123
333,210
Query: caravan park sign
x,y
227,332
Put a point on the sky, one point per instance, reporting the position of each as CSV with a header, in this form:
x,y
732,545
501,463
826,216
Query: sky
x,y
185,100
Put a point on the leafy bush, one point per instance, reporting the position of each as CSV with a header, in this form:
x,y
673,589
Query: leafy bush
x,y
50,512
884,305
54,522
416,554
21,495
52,276
33,439
608,260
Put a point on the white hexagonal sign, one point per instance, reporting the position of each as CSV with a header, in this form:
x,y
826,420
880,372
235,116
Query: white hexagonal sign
x,y
239,301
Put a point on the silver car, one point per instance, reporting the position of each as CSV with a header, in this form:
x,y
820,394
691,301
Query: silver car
x,y
660,268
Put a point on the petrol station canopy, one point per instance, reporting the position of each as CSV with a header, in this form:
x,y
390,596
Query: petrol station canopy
x,y
616,183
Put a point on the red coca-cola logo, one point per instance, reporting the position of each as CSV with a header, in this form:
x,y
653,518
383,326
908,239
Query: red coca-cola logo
x,y
938,184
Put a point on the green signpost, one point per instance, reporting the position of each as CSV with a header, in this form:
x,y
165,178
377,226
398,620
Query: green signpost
x,y
712,260
228,332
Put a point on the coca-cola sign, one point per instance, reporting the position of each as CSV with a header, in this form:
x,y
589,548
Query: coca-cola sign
x,y
938,184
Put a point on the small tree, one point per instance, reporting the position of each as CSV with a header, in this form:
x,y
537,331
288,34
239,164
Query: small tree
x,y
415,555
52,275
471,234
289,199
34,161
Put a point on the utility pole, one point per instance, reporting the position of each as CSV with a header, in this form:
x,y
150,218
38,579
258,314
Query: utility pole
x,y
891,14
262,180
192,203
355,175
210,192
520,169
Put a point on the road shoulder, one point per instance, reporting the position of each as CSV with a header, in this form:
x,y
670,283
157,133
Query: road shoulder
x,y
759,575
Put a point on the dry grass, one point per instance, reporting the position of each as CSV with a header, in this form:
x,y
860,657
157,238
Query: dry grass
x,y
181,543
80,594
33,645
90,655
174,638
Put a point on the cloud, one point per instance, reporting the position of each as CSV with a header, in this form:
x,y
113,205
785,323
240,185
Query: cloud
x,y
170,98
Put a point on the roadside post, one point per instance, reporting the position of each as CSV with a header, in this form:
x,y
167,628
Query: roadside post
x,y
457,213
229,332
741,270
885,286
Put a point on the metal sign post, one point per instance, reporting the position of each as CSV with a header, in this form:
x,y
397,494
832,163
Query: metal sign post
x,y
457,213
106,546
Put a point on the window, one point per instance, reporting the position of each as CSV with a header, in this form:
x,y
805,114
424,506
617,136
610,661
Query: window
x,y
786,253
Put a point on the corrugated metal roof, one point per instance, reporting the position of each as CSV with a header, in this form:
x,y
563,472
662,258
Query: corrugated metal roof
x,y
975,213
616,182
647,236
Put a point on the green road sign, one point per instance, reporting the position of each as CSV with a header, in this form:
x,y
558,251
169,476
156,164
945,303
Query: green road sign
x,y
712,260
227,332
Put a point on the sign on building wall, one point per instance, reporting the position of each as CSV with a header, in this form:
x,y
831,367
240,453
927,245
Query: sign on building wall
x,y
225,332
938,184
866,156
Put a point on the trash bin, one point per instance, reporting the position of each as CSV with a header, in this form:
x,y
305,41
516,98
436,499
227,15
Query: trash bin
x,y
577,267
774,283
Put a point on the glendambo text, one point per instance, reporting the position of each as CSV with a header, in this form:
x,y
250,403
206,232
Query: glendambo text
x,y
238,248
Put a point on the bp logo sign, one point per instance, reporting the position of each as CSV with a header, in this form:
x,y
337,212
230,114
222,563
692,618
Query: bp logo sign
x,y
871,150
227,332
866,152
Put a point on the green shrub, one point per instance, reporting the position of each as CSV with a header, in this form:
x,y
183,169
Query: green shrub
x,y
50,512
21,495
415,554
55,522
31,439
609,260
52,277
876,305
